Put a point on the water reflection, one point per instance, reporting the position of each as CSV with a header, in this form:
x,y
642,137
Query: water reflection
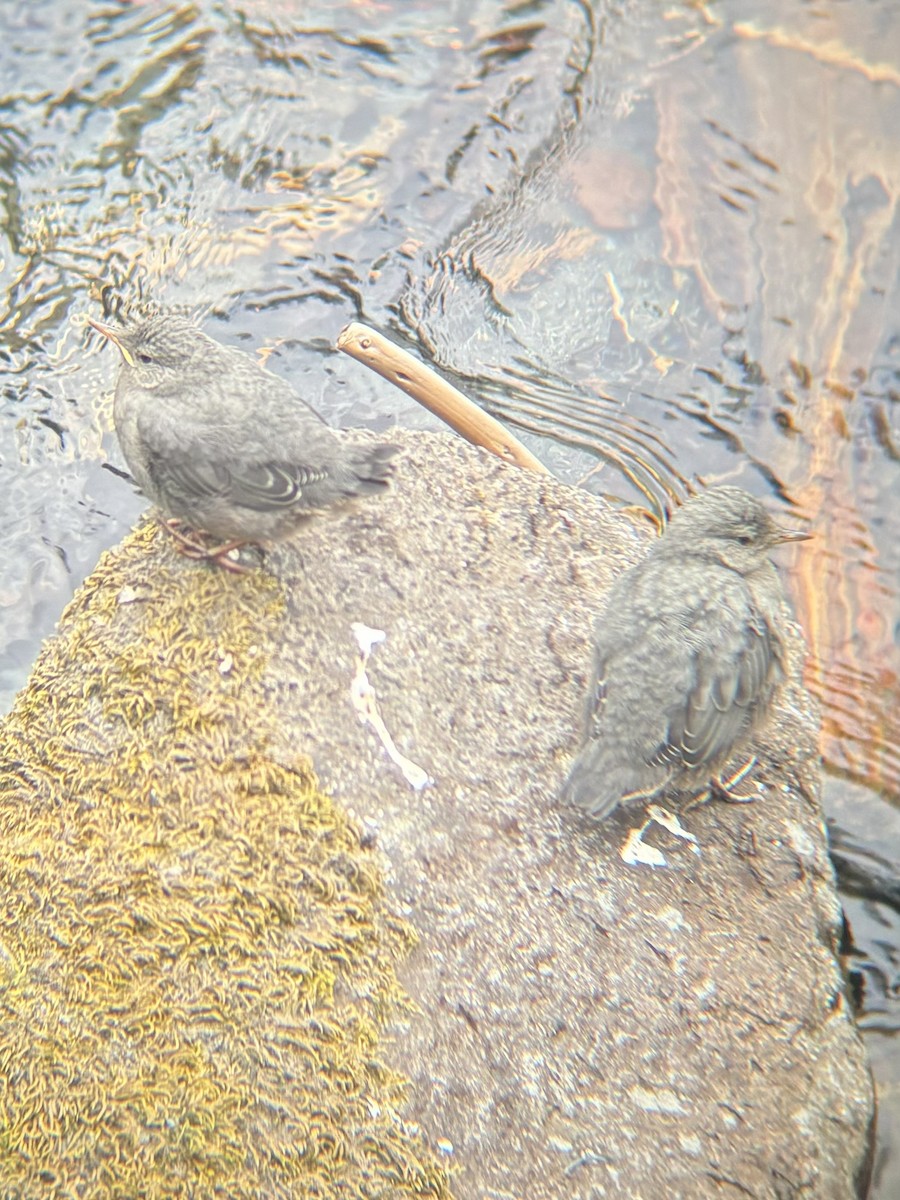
x,y
750,308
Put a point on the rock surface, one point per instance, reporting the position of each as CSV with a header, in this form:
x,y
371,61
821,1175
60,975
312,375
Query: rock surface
x,y
586,1028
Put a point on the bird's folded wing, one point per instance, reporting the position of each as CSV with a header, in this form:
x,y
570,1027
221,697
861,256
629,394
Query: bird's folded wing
x,y
187,469
595,697
733,677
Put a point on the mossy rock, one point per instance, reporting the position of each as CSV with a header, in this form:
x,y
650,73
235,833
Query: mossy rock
x,y
196,955
209,991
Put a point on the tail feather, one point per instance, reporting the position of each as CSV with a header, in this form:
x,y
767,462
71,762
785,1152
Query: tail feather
x,y
591,788
372,468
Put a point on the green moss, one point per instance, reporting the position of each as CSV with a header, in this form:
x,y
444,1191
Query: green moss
x,y
196,955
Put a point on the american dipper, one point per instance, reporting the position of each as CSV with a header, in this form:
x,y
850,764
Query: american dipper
x,y
687,656
223,445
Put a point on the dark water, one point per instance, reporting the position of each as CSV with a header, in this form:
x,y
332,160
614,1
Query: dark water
x,y
662,241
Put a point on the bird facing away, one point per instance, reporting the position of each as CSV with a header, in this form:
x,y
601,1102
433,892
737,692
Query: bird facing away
x,y
223,445
687,656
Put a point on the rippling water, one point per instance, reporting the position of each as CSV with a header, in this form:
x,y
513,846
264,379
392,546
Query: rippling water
x,y
661,241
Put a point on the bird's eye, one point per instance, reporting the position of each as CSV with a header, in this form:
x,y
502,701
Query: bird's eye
x,y
144,358
745,539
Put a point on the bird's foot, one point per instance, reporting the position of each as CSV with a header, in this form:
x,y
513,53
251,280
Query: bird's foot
x,y
194,543
730,789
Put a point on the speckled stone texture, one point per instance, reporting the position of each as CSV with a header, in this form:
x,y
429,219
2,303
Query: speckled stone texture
x,y
584,1028
588,1028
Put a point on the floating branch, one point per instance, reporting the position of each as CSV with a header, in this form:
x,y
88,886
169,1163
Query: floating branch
x,y
436,394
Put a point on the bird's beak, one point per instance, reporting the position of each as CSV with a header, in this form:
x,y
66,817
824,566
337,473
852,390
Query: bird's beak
x,y
113,335
792,535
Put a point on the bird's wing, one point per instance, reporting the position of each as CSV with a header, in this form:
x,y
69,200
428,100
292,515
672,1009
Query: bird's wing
x,y
186,468
260,486
596,693
605,770
733,675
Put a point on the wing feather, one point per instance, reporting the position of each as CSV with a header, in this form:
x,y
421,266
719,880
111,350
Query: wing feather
x,y
185,469
732,681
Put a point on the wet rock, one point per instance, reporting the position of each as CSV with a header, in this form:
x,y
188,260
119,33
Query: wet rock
x,y
582,1027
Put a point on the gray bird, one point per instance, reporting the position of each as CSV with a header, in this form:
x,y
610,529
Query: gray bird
x,y
223,445
687,656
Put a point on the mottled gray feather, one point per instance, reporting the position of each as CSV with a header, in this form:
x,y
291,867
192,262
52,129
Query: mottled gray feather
x,y
687,657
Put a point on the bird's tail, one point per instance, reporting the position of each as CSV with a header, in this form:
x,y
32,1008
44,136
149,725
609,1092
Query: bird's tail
x,y
589,787
372,468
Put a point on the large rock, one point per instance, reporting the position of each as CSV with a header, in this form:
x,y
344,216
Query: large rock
x,y
581,1027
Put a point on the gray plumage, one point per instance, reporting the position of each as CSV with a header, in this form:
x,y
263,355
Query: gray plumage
x,y
687,656
214,439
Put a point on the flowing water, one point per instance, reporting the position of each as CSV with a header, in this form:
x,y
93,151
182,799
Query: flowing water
x,y
662,242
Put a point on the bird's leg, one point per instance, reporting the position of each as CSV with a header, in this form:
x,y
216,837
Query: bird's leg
x,y
729,789
187,540
190,543
222,557
697,800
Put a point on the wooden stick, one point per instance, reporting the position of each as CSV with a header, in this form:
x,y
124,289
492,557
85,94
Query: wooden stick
x,y
435,393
